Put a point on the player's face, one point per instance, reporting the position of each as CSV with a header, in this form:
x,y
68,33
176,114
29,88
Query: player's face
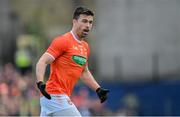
x,y
84,25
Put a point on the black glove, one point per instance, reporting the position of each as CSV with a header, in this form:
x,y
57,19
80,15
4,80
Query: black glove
x,y
102,94
42,88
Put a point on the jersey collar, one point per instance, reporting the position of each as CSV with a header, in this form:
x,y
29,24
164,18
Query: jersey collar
x,y
75,37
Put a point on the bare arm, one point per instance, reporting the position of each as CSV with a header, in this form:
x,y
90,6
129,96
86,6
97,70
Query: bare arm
x,y
41,66
88,79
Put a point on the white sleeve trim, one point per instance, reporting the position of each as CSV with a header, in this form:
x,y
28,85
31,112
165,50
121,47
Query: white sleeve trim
x,y
50,55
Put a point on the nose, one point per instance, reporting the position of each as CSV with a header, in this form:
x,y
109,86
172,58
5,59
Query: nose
x,y
88,25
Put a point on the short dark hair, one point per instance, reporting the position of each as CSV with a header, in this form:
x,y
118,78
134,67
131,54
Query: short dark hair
x,y
82,10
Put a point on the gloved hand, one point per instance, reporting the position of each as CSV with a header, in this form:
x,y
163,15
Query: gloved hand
x,y
42,87
102,94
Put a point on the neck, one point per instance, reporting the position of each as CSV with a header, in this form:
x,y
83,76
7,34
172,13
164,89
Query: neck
x,y
75,36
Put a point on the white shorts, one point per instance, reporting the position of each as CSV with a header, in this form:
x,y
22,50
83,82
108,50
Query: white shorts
x,y
58,105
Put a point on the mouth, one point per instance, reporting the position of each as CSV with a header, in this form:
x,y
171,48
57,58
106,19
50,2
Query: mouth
x,y
85,31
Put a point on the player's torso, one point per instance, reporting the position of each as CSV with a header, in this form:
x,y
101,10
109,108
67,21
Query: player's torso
x,y
67,68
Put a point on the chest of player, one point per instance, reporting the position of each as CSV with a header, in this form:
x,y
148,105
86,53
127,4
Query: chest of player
x,y
76,54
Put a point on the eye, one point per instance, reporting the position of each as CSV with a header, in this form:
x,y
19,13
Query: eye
x,y
90,22
84,20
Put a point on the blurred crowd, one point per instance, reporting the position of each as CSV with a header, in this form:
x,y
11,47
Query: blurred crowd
x,y
18,94
89,105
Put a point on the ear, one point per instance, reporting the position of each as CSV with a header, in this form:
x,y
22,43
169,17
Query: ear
x,y
74,21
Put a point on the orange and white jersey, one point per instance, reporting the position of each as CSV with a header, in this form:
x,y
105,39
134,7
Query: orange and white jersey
x,y
70,58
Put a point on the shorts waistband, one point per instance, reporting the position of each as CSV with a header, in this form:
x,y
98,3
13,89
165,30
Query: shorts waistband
x,y
59,95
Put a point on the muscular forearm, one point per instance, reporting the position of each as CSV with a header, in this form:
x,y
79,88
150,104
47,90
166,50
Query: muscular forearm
x,y
41,66
89,80
40,70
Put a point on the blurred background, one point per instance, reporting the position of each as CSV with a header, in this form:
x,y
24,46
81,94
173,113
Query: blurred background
x,y
135,52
